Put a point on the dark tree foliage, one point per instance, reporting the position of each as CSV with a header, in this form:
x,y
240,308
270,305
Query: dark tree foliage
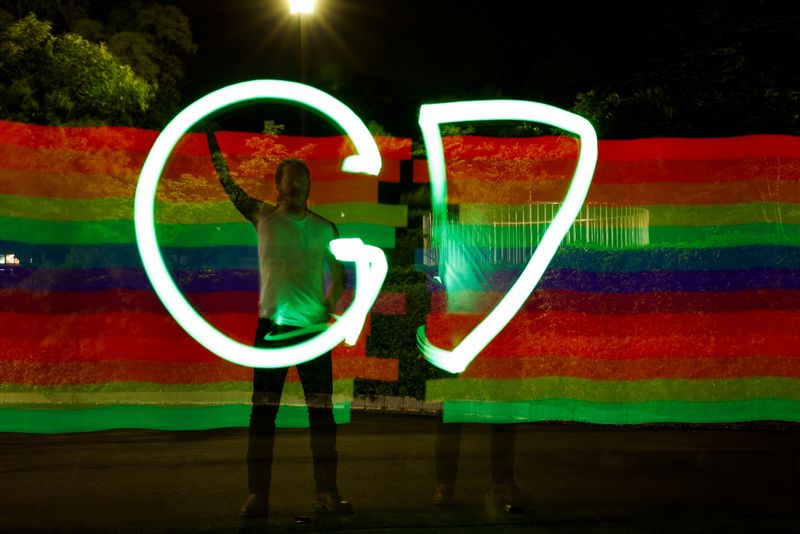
x,y
65,79
712,69
153,38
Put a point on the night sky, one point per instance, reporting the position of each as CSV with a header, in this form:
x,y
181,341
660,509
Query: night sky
x,y
385,58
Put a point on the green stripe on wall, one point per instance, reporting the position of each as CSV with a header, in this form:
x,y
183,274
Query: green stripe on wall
x,y
729,235
724,214
726,236
90,419
121,209
622,413
169,235
66,232
153,393
242,233
87,419
99,209
106,209
613,391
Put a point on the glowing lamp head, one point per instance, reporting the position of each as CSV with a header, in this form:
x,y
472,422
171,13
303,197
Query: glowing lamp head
x,y
301,7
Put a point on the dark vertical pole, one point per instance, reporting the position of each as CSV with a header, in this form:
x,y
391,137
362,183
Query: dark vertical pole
x,y
303,67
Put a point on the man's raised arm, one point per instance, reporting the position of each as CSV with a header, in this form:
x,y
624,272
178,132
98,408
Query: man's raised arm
x,y
248,206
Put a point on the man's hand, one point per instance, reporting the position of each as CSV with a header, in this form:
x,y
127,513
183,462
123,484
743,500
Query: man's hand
x,y
337,283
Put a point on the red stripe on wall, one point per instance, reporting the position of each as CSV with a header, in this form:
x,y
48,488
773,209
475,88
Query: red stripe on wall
x,y
147,337
156,337
37,373
66,302
333,147
611,303
659,148
96,168
619,172
135,140
88,139
240,326
769,146
627,369
646,335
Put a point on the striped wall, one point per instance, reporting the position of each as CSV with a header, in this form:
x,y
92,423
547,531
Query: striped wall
x,y
699,325
702,324
84,342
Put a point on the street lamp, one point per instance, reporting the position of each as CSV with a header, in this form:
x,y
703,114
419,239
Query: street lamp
x,y
302,9
301,6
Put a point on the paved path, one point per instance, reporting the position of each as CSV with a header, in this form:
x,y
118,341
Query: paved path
x,y
582,478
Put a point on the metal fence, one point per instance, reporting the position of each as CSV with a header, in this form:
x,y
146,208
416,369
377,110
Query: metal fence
x,y
509,234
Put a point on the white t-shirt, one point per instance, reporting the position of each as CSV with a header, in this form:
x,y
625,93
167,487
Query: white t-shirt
x,y
291,257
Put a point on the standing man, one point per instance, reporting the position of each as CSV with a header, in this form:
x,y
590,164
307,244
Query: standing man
x,y
293,306
463,273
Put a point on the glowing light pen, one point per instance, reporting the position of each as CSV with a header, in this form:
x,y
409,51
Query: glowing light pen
x,y
370,261
431,116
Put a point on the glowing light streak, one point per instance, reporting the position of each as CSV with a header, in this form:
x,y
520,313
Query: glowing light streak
x,y
431,116
370,261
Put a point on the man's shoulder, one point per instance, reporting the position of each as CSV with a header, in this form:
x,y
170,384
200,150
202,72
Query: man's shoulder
x,y
322,221
266,210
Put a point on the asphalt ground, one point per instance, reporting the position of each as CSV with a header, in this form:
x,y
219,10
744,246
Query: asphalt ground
x,y
582,478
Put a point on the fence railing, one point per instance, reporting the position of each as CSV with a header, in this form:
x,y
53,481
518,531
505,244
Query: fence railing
x,y
509,234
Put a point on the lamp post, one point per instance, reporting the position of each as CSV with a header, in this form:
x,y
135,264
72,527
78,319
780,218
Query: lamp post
x,y
302,9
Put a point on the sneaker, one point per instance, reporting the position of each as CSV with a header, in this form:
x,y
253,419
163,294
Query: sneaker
x,y
508,492
443,495
256,506
332,502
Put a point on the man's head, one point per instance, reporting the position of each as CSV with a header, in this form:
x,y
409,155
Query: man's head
x,y
293,182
